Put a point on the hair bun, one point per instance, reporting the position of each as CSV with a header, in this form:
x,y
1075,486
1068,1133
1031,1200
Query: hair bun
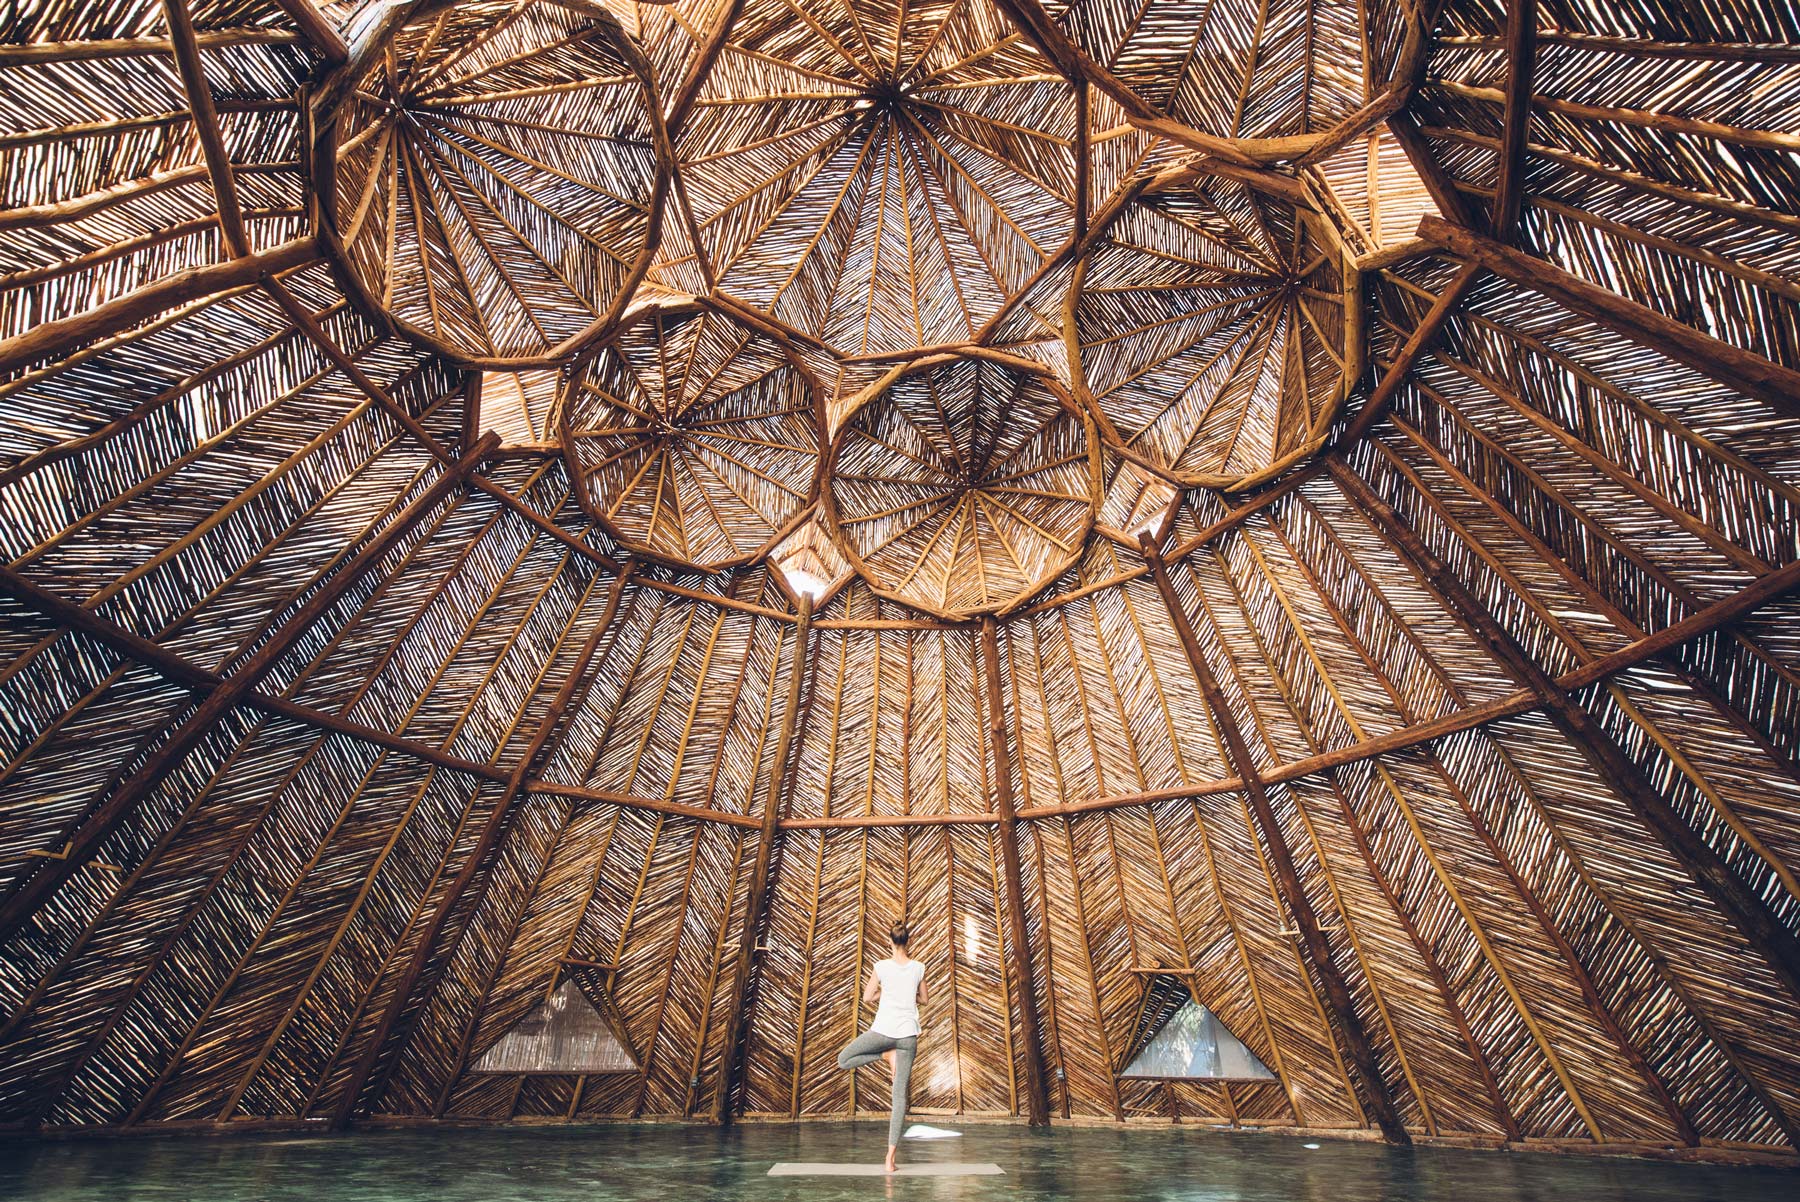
x,y
899,933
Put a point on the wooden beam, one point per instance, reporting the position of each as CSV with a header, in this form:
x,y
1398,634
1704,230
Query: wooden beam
x,y
232,690
1424,335
24,53
1732,366
761,870
1752,915
52,339
1515,121
708,54
1337,992
1438,182
497,822
316,30
178,670
591,798
1036,1102
206,126
75,208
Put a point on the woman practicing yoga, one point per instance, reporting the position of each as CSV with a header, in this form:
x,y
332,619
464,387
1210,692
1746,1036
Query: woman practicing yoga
x,y
894,1035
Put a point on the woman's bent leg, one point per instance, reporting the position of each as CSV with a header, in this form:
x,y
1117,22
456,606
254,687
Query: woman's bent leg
x,y
864,1049
904,1052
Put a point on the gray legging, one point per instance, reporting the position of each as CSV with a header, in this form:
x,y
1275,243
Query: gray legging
x,y
867,1048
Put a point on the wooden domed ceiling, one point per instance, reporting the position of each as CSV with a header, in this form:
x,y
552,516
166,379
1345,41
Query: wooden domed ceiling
x,y
963,487
1262,495
833,190
695,437
879,177
501,171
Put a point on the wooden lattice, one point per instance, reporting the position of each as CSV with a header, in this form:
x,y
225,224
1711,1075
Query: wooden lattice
x,y
879,177
1216,333
1454,769
695,438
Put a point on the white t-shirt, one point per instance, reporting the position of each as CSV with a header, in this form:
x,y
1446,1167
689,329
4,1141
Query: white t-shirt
x,y
898,1015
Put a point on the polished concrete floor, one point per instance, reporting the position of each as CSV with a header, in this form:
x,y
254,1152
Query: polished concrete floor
x,y
687,1164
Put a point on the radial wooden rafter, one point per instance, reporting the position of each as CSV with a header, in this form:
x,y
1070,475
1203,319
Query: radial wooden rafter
x,y
961,486
881,179
1216,333
696,439
501,172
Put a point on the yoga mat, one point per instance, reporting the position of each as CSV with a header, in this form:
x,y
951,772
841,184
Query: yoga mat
x,y
801,1168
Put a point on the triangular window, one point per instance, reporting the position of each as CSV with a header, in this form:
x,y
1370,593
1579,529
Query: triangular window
x,y
565,1033
1178,1039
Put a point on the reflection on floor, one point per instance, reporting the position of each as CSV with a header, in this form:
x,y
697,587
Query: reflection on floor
x,y
687,1164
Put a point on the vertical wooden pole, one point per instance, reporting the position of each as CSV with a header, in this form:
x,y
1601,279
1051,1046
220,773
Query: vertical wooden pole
x,y
1337,992
529,760
1036,1105
732,1054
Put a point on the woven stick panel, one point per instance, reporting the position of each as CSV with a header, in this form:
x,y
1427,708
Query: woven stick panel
x,y
107,185
945,882
895,726
1102,703
964,487
695,437
1213,333
1235,69
501,169
880,178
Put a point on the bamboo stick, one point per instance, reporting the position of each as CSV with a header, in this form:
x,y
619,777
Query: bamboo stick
x,y
491,830
1746,371
37,888
1758,924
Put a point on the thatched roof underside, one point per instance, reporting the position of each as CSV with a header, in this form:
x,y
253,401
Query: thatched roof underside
x,y
1296,497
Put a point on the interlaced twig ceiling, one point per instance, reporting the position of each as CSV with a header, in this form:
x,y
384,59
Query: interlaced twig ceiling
x,y
501,169
1451,762
882,177
695,437
1212,335
963,487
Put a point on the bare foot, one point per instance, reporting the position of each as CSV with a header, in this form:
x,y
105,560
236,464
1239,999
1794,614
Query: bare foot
x,y
890,1159
889,1057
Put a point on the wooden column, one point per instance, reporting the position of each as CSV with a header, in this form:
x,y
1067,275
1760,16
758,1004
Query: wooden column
x,y
1036,1104
233,689
578,678
1755,920
731,1053
1318,950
